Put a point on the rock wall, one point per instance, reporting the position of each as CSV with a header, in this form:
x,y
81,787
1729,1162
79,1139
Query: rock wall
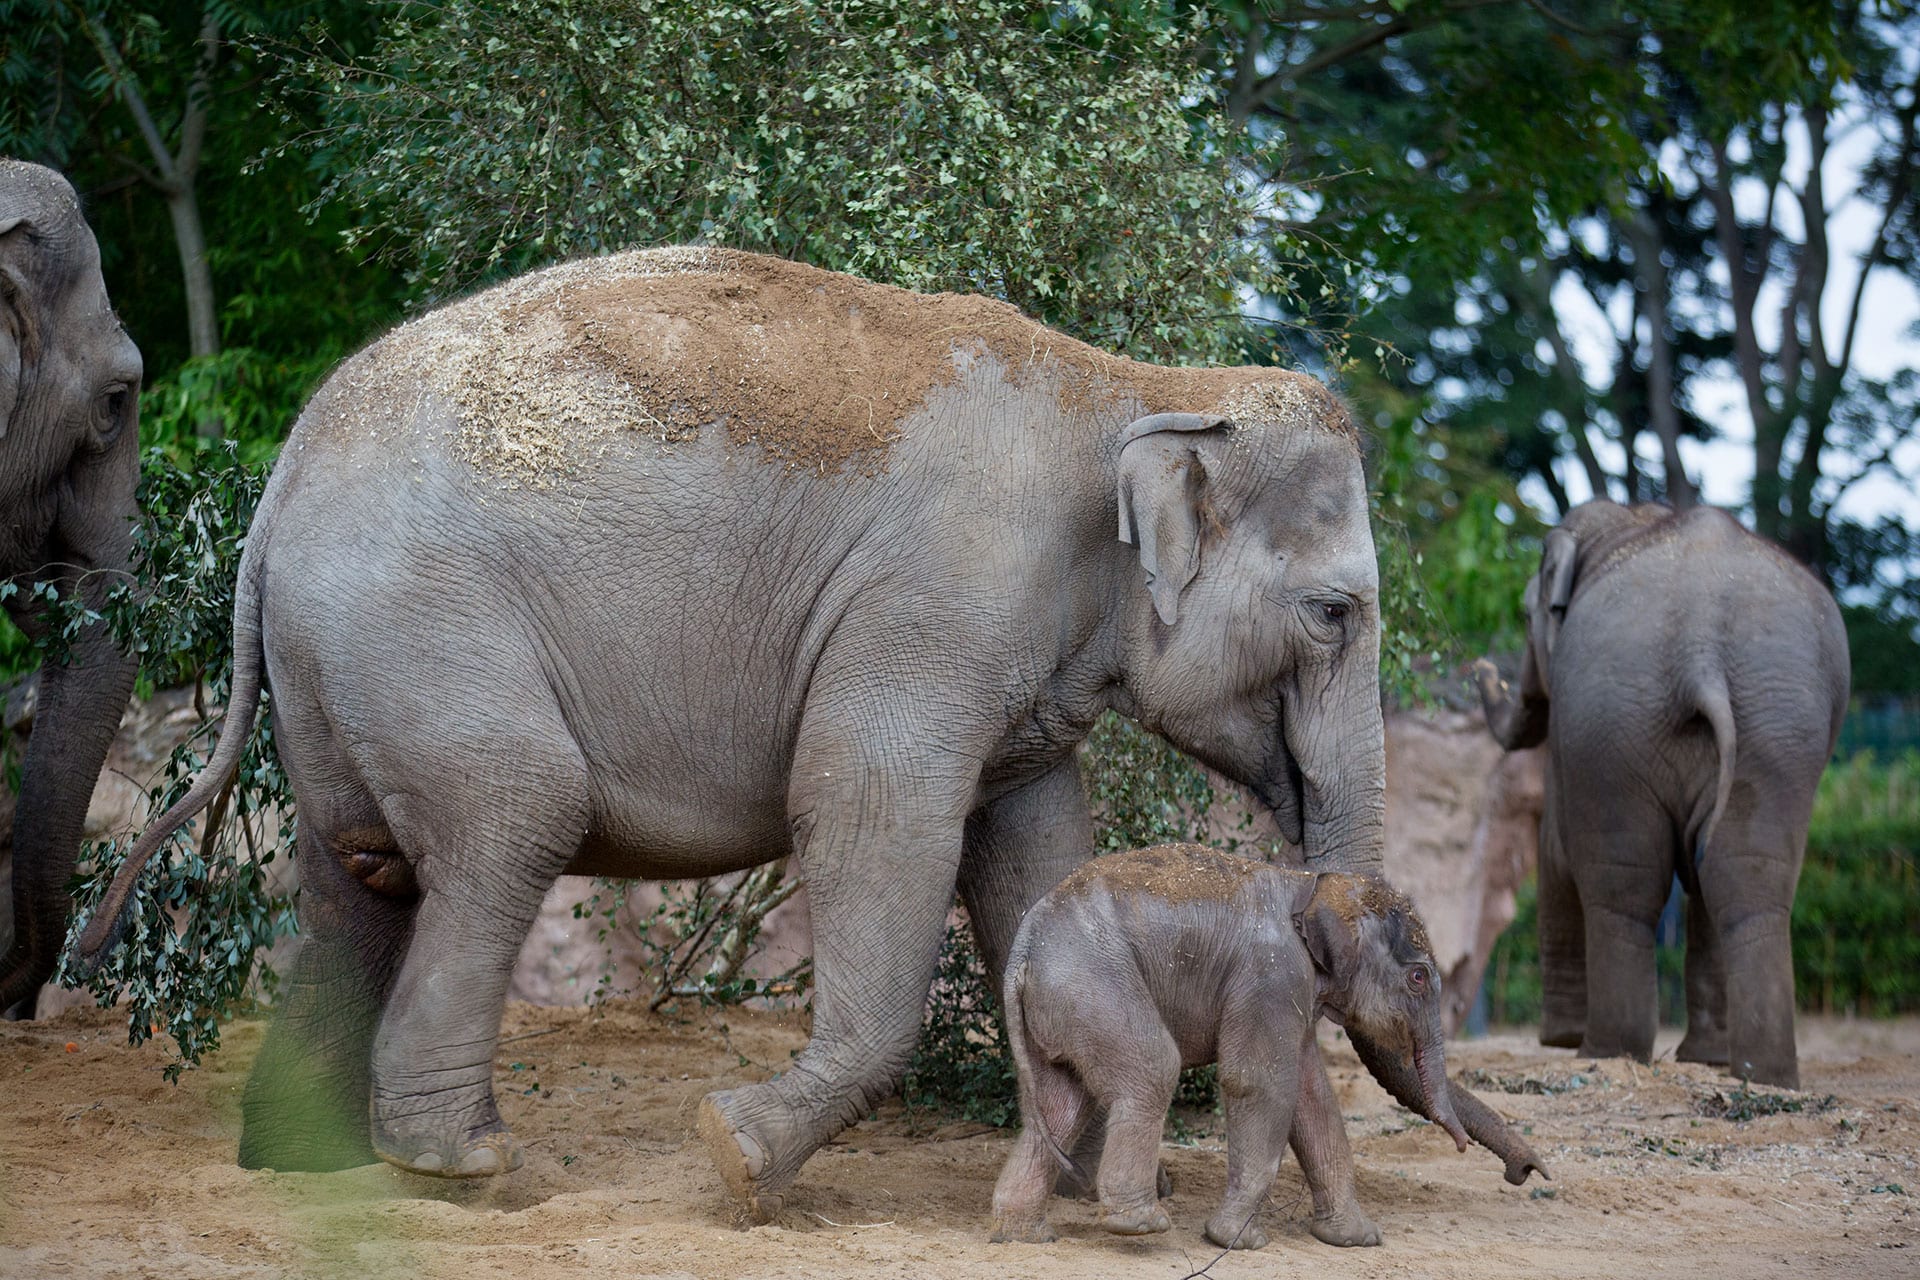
x,y
1463,823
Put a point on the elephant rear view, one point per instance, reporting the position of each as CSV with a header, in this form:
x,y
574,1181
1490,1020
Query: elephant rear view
x,y
1689,680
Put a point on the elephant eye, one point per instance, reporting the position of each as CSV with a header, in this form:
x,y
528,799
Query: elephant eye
x,y
110,414
1335,610
1417,978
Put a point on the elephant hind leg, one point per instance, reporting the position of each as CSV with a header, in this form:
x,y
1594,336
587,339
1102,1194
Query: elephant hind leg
x,y
1706,975
484,854
1749,877
1625,886
305,1106
1062,1106
1563,946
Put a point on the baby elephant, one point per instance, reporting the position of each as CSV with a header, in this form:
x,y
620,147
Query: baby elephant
x,y
1142,963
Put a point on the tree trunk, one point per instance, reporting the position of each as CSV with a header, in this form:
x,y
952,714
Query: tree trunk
x,y
1650,275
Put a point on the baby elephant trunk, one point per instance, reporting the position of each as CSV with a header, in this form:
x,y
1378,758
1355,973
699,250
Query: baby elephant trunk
x,y
1430,1064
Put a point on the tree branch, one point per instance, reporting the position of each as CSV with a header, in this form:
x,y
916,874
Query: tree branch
x,y
129,90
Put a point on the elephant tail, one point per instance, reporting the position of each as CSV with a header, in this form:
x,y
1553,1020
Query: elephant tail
x,y
108,921
1710,696
1035,1073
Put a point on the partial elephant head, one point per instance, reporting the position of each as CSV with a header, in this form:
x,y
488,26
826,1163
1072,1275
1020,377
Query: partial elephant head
x,y
1584,538
69,410
1254,632
1377,977
69,377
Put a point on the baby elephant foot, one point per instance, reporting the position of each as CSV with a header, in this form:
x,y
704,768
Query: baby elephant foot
x,y
1078,1185
1022,1231
481,1154
1348,1228
1236,1230
1142,1220
740,1155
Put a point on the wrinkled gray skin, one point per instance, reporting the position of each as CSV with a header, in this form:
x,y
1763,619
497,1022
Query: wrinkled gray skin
x,y
1689,680
1144,963
69,410
683,660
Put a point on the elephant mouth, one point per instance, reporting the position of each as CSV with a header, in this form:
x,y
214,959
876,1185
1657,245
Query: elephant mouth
x,y
1282,787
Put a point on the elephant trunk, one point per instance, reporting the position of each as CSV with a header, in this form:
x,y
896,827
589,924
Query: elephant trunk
x,y
1430,1066
1337,746
79,708
1403,1080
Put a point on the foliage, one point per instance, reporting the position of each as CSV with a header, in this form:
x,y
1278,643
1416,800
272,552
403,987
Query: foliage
x,y
961,1065
1583,225
1856,916
283,291
1062,158
205,910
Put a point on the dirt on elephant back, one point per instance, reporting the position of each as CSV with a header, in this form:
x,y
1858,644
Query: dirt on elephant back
x,y
108,1171
816,369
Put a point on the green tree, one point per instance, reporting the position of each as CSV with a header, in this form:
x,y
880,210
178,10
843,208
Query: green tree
x,y
1512,170
152,109
1066,158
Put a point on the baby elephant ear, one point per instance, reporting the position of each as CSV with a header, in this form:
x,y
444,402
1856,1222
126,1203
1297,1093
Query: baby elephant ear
x,y
1162,485
1332,940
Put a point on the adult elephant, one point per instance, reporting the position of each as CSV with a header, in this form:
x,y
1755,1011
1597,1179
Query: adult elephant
x,y
668,563
1689,679
69,461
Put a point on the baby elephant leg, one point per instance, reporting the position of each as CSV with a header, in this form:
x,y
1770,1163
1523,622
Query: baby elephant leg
x,y
1136,1074
1259,1080
1054,1109
1319,1141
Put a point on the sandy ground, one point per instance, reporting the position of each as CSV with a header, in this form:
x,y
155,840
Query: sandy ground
x,y
108,1171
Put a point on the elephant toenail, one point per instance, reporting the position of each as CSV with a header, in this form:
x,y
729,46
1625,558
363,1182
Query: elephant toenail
x,y
481,1160
429,1162
749,1149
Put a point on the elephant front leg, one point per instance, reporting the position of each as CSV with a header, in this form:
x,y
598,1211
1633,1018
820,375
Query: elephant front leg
x,y
1017,848
879,854
1259,1086
1319,1141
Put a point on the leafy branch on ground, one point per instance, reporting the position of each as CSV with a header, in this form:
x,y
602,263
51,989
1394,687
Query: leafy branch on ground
x,y
205,911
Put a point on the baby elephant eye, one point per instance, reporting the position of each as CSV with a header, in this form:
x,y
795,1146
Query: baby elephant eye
x,y
1417,978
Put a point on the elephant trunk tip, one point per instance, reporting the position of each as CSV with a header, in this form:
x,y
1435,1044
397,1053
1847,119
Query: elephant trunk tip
x,y
1520,1166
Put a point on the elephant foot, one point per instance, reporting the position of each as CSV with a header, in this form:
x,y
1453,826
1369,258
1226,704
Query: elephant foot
x,y
743,1159
1022,1231
1709,1048
1236,1231
1346,1228
1140,1220
482,1154
262,1146
1781,1075
1562,1035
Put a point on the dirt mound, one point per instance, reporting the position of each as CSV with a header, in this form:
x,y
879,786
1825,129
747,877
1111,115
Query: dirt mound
x,y
107,1171
814,368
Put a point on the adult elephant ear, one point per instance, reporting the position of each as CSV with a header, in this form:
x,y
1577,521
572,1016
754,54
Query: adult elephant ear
x,y
1554,589
1162,490
16,318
